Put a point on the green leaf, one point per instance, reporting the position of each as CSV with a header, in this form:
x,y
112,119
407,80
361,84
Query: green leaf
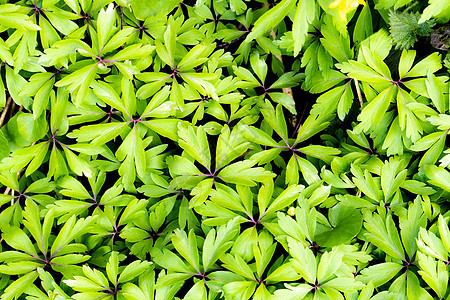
x,y
70,231
237,265
360,71
324,153
427,141
345,103
135,51
287,80
431,63
105,24
186,245
441,121
201,192
444,232
379,274
4,151
434,273
15,289
144,9
133,270
344,284
293,292
195,143
108,95
195,57
182,166
171,279
309,171
257,135
363,26
244,289
406,62
133,210
270,19
438,176
93,282
410,225
288,196
259,66
243,245
303,260
312,125
304,16
17,239
171,261
60,19
32,128
60,52
328,265
15,84
99,134
435,9
78,165
276,119
298,229
230,145
198,291
284,99
384,235
112,267
242,173
284,273
165,127
202,83
216,245
391,178
249,81
81,78
346,223
417,187
5,55
238,6
432,155
376,108
436,92
11,16
292,172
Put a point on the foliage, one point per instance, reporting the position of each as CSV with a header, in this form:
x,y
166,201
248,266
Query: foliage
x,y
225,149
404,28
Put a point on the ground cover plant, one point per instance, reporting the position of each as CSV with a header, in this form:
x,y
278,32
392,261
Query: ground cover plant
x,y
224,149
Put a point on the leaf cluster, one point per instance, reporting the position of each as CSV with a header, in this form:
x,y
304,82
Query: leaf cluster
x,y
224,150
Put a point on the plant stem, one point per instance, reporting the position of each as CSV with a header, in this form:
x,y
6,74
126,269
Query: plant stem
x,y
358,91
287,91
5,109
6,192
